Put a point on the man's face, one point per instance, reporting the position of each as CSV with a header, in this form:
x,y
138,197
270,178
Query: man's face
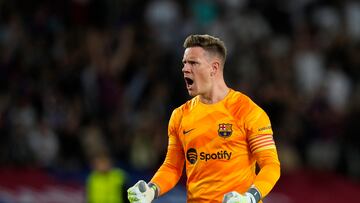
x,y
197,71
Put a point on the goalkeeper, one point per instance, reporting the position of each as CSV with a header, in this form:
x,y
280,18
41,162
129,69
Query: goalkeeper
x,y
219,135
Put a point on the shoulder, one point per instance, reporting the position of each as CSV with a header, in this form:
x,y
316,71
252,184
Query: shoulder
x,y
187,106
242,106
239,102
182,110
237,96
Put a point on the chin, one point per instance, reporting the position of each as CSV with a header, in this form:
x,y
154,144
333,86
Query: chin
x,y
192,93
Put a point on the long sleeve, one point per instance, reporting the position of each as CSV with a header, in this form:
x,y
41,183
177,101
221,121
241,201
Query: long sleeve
x,y
171,170
263,149
269,171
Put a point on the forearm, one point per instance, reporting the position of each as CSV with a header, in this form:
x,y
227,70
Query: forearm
x,y
171,170
166,178
269,172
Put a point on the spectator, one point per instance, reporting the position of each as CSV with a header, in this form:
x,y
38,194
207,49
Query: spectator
x,y
44,144
106,183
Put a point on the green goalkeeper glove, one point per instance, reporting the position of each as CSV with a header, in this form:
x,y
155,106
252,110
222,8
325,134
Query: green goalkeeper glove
x,y
252,196
141,193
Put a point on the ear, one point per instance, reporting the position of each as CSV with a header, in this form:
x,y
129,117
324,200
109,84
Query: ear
x,y
215,67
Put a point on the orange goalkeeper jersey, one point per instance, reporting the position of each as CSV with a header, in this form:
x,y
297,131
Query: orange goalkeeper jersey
x,y
220,144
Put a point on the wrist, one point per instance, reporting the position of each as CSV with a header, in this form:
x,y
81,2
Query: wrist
x,y
254,194
154,188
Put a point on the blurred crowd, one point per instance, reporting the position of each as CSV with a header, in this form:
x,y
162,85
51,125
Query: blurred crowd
x,y
80,78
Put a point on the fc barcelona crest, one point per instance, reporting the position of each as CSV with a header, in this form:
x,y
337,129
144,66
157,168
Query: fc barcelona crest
x,y
225,130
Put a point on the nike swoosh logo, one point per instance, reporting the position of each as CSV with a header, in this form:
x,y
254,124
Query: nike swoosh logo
x,y
187,131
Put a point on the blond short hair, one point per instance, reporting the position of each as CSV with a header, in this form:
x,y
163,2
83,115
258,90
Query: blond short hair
x,y
209,43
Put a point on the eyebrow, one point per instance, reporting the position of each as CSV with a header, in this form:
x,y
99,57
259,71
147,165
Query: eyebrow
x,y
190,60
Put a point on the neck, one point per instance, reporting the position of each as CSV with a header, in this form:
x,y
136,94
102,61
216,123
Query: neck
x,y
216,94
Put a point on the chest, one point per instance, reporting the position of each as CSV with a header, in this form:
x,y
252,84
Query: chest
x,y
211,128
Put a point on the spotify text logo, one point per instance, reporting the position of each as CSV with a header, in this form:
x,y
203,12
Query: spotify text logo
x,y
192,155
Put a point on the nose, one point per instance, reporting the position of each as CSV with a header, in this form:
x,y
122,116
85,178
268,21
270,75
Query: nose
x,y
186,68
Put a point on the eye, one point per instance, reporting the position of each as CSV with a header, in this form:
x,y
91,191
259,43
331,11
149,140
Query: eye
x,y
191,63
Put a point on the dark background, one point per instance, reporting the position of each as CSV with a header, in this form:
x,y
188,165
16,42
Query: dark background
x,y
78,77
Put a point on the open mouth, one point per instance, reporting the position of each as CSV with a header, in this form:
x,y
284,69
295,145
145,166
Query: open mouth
x,y
188,81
